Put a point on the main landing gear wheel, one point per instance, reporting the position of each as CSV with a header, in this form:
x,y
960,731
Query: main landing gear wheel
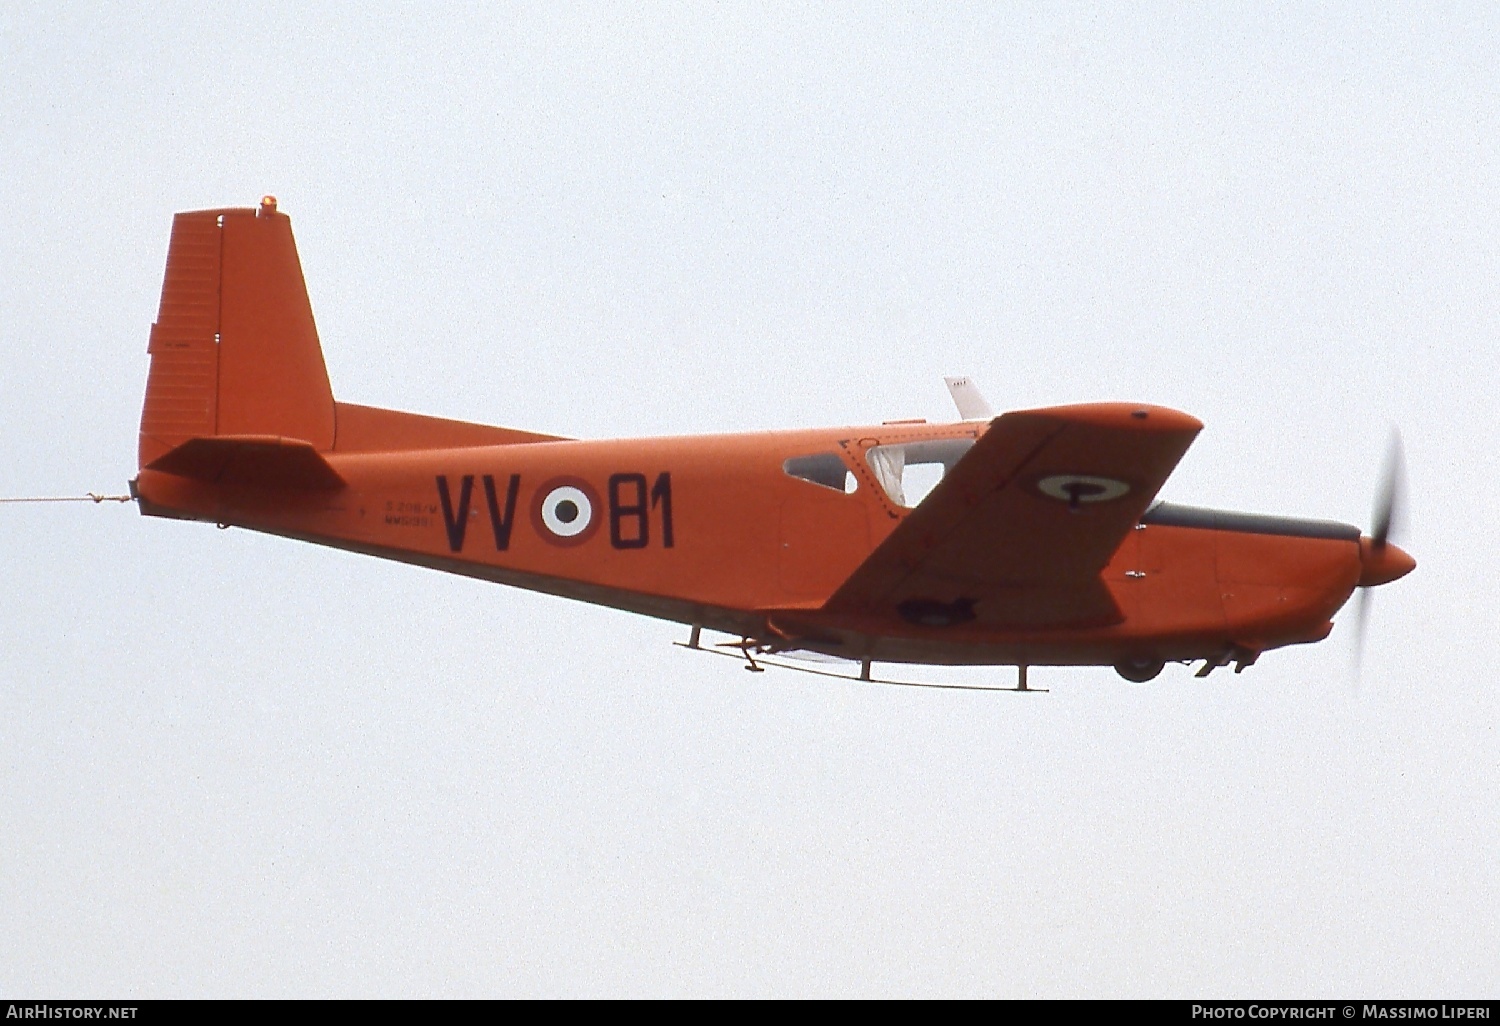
x,y
1139,671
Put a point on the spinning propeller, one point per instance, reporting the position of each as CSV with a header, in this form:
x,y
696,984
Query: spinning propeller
x,y
1381,561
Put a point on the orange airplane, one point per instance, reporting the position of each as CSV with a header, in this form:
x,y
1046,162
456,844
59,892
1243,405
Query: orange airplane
x,y
1037,542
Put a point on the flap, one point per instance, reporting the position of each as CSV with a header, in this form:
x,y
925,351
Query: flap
x,y
251,460
1017,533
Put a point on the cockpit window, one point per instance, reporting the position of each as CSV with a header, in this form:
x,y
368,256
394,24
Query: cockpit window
x,y
909,471
824,469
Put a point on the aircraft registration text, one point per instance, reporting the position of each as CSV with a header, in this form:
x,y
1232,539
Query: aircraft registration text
x,y
565,511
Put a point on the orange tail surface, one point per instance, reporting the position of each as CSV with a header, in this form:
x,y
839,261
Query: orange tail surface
x,y
235,352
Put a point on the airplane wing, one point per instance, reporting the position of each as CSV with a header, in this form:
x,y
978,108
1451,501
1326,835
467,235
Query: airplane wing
x,y
1018,532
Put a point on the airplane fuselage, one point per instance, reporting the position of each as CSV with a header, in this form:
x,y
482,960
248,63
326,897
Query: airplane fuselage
x,y
715,531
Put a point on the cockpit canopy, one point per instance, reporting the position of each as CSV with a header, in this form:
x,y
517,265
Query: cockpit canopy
x,y
910,470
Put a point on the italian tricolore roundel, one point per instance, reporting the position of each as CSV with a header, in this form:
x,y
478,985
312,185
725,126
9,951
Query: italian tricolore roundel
x,y
565,511
1080,488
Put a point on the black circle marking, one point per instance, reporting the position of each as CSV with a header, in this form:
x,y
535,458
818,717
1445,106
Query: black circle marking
x,y
1079,489
566,511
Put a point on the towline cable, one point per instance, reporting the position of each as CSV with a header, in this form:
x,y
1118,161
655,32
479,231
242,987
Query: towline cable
x,y
93,497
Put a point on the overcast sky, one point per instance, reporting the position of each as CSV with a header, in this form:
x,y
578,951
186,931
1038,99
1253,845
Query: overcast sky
x,y
235,765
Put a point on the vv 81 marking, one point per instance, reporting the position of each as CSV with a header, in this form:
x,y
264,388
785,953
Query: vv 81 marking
x,y
565,511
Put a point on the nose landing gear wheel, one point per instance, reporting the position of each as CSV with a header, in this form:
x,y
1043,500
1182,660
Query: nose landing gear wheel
x,y
1139,671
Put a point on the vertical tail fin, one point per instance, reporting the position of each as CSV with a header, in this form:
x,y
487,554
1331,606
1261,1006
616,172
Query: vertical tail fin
x,y
234,350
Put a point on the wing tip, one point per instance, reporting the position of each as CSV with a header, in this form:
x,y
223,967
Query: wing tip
x,y
1134,416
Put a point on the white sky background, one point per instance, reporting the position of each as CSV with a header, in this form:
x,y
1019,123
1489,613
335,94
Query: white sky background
x,y
235,765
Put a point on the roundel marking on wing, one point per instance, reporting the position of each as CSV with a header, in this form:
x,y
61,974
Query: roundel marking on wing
x,y
1075,489
565,511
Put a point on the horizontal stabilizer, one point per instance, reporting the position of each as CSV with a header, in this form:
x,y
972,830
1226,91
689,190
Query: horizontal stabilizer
x,y
256,461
